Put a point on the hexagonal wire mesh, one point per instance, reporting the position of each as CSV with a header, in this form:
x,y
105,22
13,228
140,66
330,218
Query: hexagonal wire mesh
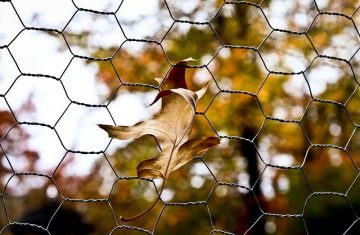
x,y
284,99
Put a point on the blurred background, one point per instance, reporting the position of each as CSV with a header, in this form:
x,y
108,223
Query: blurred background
x,y
283,96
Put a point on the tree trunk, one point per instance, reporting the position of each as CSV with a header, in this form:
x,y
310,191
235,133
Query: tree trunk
x,y
252,211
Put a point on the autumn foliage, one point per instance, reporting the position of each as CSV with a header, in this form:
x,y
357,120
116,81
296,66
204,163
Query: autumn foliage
x,y
258,135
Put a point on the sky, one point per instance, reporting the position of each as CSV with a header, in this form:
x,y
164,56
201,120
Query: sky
x,y
37,52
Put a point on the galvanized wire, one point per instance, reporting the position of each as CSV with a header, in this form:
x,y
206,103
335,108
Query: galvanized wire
x,y
257,50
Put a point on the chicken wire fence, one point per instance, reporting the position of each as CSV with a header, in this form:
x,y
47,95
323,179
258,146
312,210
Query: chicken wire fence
x,y
314,115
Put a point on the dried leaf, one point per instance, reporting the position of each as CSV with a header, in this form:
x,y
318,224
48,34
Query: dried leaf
x,y
176,77
171,127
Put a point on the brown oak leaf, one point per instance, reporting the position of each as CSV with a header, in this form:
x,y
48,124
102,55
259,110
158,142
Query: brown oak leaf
x,y
171,127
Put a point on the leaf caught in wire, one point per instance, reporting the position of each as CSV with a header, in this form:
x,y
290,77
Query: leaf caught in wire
x,y
171,127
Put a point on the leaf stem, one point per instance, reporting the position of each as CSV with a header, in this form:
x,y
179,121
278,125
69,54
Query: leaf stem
x,y
125,219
